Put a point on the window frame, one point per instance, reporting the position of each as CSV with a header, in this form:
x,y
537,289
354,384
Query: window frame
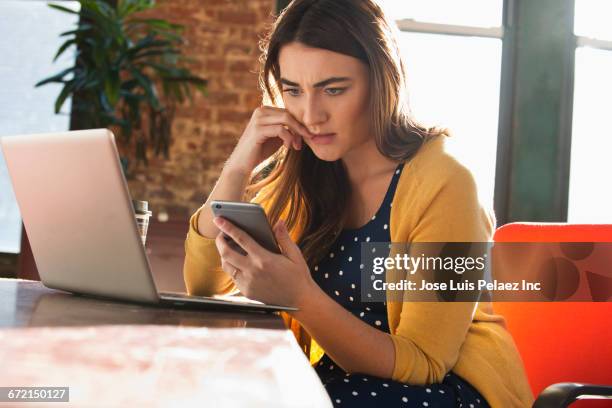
x,y
578,41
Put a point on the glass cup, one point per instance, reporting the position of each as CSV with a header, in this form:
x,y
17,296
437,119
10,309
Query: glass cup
x,y
141,209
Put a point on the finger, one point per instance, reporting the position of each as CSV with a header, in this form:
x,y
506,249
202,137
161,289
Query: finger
x,y
279,131
232,254
290,249
287,119
294,140
297,144
241,238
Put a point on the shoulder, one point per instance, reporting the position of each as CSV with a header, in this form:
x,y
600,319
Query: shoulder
x,y
435,167
437,199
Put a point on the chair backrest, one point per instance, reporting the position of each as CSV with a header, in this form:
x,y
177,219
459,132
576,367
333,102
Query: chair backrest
x,y
560,342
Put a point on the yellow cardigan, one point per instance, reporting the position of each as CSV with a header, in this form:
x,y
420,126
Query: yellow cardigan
x,y
435,200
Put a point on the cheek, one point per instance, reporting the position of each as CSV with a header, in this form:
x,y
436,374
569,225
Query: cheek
x,y
356,117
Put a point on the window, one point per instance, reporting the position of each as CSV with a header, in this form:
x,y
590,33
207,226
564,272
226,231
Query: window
x,y
29,38
453,55
590,197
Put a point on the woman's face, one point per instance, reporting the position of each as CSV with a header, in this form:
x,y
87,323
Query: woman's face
x,y
328,93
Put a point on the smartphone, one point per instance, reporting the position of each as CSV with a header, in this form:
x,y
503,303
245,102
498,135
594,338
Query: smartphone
x,y
249,217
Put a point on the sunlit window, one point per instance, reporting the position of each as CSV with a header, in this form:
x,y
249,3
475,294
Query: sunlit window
x,y
590,197
453,56
592,18
475,13
29,38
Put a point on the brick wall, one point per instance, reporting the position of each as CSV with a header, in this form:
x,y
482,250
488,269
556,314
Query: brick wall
x,y
223,37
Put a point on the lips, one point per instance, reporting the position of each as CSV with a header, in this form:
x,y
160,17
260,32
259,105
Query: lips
x,y
323,138
321,135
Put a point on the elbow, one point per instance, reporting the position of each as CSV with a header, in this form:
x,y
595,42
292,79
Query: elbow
x,y
210,281
196,285
437,371
414,366
432,372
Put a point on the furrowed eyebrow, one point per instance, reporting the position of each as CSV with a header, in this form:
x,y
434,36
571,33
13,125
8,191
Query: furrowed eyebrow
x,y
320,84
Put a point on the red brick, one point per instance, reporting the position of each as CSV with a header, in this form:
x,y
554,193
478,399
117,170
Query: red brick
x,y
223,98
214,65
247,81
206,50
242,67
234,116
237,17
242,49
252,99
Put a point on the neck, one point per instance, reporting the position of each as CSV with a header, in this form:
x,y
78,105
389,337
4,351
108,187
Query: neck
x,y
366,162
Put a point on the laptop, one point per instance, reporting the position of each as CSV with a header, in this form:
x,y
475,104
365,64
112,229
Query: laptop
x,y
78,214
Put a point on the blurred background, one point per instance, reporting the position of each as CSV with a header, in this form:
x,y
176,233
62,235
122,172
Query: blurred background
x,y
524,85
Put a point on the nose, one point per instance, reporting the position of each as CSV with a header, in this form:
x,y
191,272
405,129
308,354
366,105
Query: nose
x,y
313,114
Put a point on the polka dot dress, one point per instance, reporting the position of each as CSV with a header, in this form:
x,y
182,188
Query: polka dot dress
x,y
339,275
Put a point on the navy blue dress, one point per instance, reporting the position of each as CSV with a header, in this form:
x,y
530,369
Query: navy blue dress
x,y
339,275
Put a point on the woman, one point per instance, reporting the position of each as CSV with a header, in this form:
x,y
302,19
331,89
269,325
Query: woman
x,y
336,159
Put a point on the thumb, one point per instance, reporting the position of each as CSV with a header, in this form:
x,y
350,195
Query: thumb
x,y
289,248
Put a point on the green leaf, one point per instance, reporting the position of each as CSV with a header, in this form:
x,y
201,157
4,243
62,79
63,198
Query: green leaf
x,y
63,48
127,7
105,104
148,87
158,23
128,85
64,94
55,78
157,53
62,8
82,28
112,87
148,42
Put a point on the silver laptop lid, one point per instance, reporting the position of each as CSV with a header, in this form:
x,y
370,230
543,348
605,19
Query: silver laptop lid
x,y
77,212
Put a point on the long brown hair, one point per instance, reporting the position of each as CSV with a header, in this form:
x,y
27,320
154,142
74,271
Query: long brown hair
x,y
311,192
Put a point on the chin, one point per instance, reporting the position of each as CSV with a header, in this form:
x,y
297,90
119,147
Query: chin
x,y
326,155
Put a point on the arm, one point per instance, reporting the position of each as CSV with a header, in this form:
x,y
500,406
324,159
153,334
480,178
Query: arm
x,y
268,129
353,344
202,268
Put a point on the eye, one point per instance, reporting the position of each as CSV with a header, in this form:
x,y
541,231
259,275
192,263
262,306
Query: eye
x,y
334,91
292,91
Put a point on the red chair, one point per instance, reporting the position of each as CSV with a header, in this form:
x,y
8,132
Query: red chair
x,y
561,342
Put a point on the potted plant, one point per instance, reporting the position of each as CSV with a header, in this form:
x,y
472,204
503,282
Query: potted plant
x,y
122,59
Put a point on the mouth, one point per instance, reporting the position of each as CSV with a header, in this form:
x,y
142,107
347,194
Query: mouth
x,y
323,138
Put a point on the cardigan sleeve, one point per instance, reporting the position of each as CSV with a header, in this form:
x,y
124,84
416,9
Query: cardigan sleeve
x,y
429,335
202,270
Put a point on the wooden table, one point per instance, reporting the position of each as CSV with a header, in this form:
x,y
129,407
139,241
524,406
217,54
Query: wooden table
x,y
121,354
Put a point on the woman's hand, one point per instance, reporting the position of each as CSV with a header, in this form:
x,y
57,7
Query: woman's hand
x,y
269,128
263,275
